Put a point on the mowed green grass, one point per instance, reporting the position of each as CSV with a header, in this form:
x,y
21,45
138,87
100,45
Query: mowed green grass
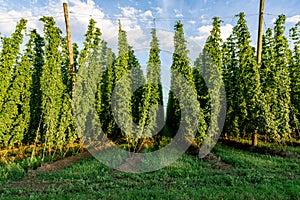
x,y
254,176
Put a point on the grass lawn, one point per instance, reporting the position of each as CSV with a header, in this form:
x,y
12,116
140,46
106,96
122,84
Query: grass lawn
x,y
251,176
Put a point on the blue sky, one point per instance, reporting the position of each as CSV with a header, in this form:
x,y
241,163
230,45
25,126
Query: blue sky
x,y
137,18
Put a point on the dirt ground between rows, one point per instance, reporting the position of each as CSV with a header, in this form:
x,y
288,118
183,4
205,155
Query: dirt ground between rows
x,y
217,164
31,182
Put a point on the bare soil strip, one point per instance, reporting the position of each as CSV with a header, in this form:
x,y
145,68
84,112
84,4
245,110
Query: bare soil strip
x,y
32,183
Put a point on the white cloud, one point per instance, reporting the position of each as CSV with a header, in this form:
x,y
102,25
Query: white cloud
x,y
146,15
166,42
137,38
159,10
129,12
178,13
195,45
226,31
273,20
129,18
205,30
204,19
80,14
147,18
82,11
293,19
9,19
197,42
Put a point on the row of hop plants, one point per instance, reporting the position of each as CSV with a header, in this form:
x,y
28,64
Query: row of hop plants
x,y
36,89
262,100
